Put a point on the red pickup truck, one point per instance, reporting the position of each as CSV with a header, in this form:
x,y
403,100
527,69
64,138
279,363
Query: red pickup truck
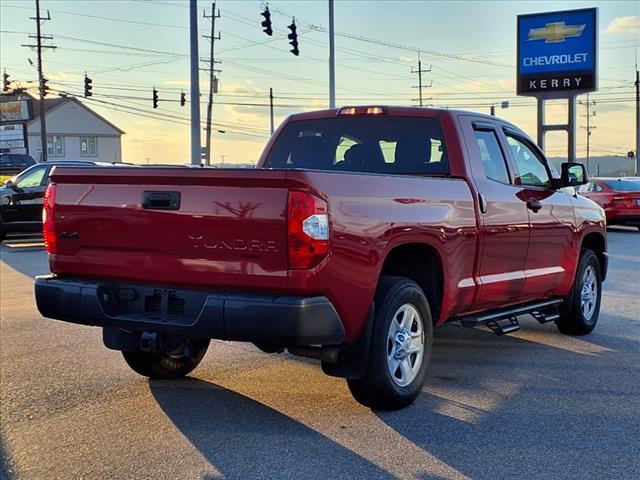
x,y
359,231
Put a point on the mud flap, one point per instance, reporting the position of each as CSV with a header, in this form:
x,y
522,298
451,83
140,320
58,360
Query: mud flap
x,y
353,357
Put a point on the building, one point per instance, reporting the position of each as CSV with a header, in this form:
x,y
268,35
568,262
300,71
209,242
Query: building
x,y
74,132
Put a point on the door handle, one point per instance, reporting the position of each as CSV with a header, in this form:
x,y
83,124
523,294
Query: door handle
x,y
482,203
534,205
160,200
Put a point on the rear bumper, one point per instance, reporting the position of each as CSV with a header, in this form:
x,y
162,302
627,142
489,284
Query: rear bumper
x,y
624,218
276,319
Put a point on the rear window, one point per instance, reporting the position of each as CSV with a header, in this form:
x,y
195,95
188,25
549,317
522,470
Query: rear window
x,y
623,185
16,160
399,145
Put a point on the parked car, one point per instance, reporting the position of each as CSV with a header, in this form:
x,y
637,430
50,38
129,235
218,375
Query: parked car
x,y
14,163
21,196
361,229
620,198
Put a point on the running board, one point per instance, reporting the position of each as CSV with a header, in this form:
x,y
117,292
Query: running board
x,y
505,320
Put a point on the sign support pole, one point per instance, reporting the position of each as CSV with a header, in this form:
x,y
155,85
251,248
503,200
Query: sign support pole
x,y
541,129
571,129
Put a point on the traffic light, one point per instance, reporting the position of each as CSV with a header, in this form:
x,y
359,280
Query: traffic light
x,y
87,86
183,99
5,82
44,88
266,23
155,98
293,38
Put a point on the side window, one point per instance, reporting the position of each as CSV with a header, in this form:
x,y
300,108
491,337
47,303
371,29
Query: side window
x,y
531,167
493,161
31,179
88,146
597,188
388,149
345,144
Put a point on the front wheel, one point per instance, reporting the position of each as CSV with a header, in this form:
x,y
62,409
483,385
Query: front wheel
x,y
400,347
167,366
581,312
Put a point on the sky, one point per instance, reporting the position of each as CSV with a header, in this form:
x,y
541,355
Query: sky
x,y
128,47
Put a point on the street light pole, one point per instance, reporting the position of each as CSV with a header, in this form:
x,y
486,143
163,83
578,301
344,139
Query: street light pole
x,y
332,59
196,153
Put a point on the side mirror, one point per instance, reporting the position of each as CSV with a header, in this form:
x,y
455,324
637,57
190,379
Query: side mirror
x,y
573,175
9,184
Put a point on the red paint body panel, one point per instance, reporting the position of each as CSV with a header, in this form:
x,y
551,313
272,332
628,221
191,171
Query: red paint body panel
x,y
230,232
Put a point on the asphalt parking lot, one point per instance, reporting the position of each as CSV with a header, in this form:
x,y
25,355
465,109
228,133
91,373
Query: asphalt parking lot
x,y
535,404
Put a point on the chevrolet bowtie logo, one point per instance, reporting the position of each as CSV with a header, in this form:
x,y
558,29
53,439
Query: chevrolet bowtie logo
x,y
555,32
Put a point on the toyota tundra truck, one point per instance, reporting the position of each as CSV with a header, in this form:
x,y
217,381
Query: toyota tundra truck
x,y
360,230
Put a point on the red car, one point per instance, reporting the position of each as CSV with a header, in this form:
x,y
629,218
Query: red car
x,y
620,198
361,229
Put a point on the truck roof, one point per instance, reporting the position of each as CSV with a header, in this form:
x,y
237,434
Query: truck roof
x,y
391,110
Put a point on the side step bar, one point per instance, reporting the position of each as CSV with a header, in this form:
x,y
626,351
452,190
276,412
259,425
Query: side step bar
x,y
505,320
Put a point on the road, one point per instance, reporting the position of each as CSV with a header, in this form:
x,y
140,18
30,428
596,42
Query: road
x,y
535,404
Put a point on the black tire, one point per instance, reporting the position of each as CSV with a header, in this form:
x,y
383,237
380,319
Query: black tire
x,y
573,319
164,366
377,389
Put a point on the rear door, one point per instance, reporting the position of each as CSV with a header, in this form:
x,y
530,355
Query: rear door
x,y
25,202
504,222
552,252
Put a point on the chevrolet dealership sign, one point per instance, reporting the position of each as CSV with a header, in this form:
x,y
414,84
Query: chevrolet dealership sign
x,y
557,52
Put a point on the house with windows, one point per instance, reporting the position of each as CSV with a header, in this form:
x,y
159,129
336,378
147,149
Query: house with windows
x,y
74,132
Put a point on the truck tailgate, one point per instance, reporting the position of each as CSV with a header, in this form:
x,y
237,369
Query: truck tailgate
x,y
198,227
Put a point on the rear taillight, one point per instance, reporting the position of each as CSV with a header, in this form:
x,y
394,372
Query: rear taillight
x,y
48,228
308,230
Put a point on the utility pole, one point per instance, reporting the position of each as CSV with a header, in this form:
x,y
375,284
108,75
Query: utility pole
x,y
271,107
420,71
212,79
196,153
637,119
332,59
222,158
589,127
41,78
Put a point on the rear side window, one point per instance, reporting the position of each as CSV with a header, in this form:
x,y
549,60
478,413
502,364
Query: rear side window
x,y
493,161
381,144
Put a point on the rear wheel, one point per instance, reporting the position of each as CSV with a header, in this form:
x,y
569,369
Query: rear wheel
x,y
400,347
165,365
583,306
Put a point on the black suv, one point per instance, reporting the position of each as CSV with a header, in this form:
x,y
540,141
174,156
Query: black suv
x,y
13,163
